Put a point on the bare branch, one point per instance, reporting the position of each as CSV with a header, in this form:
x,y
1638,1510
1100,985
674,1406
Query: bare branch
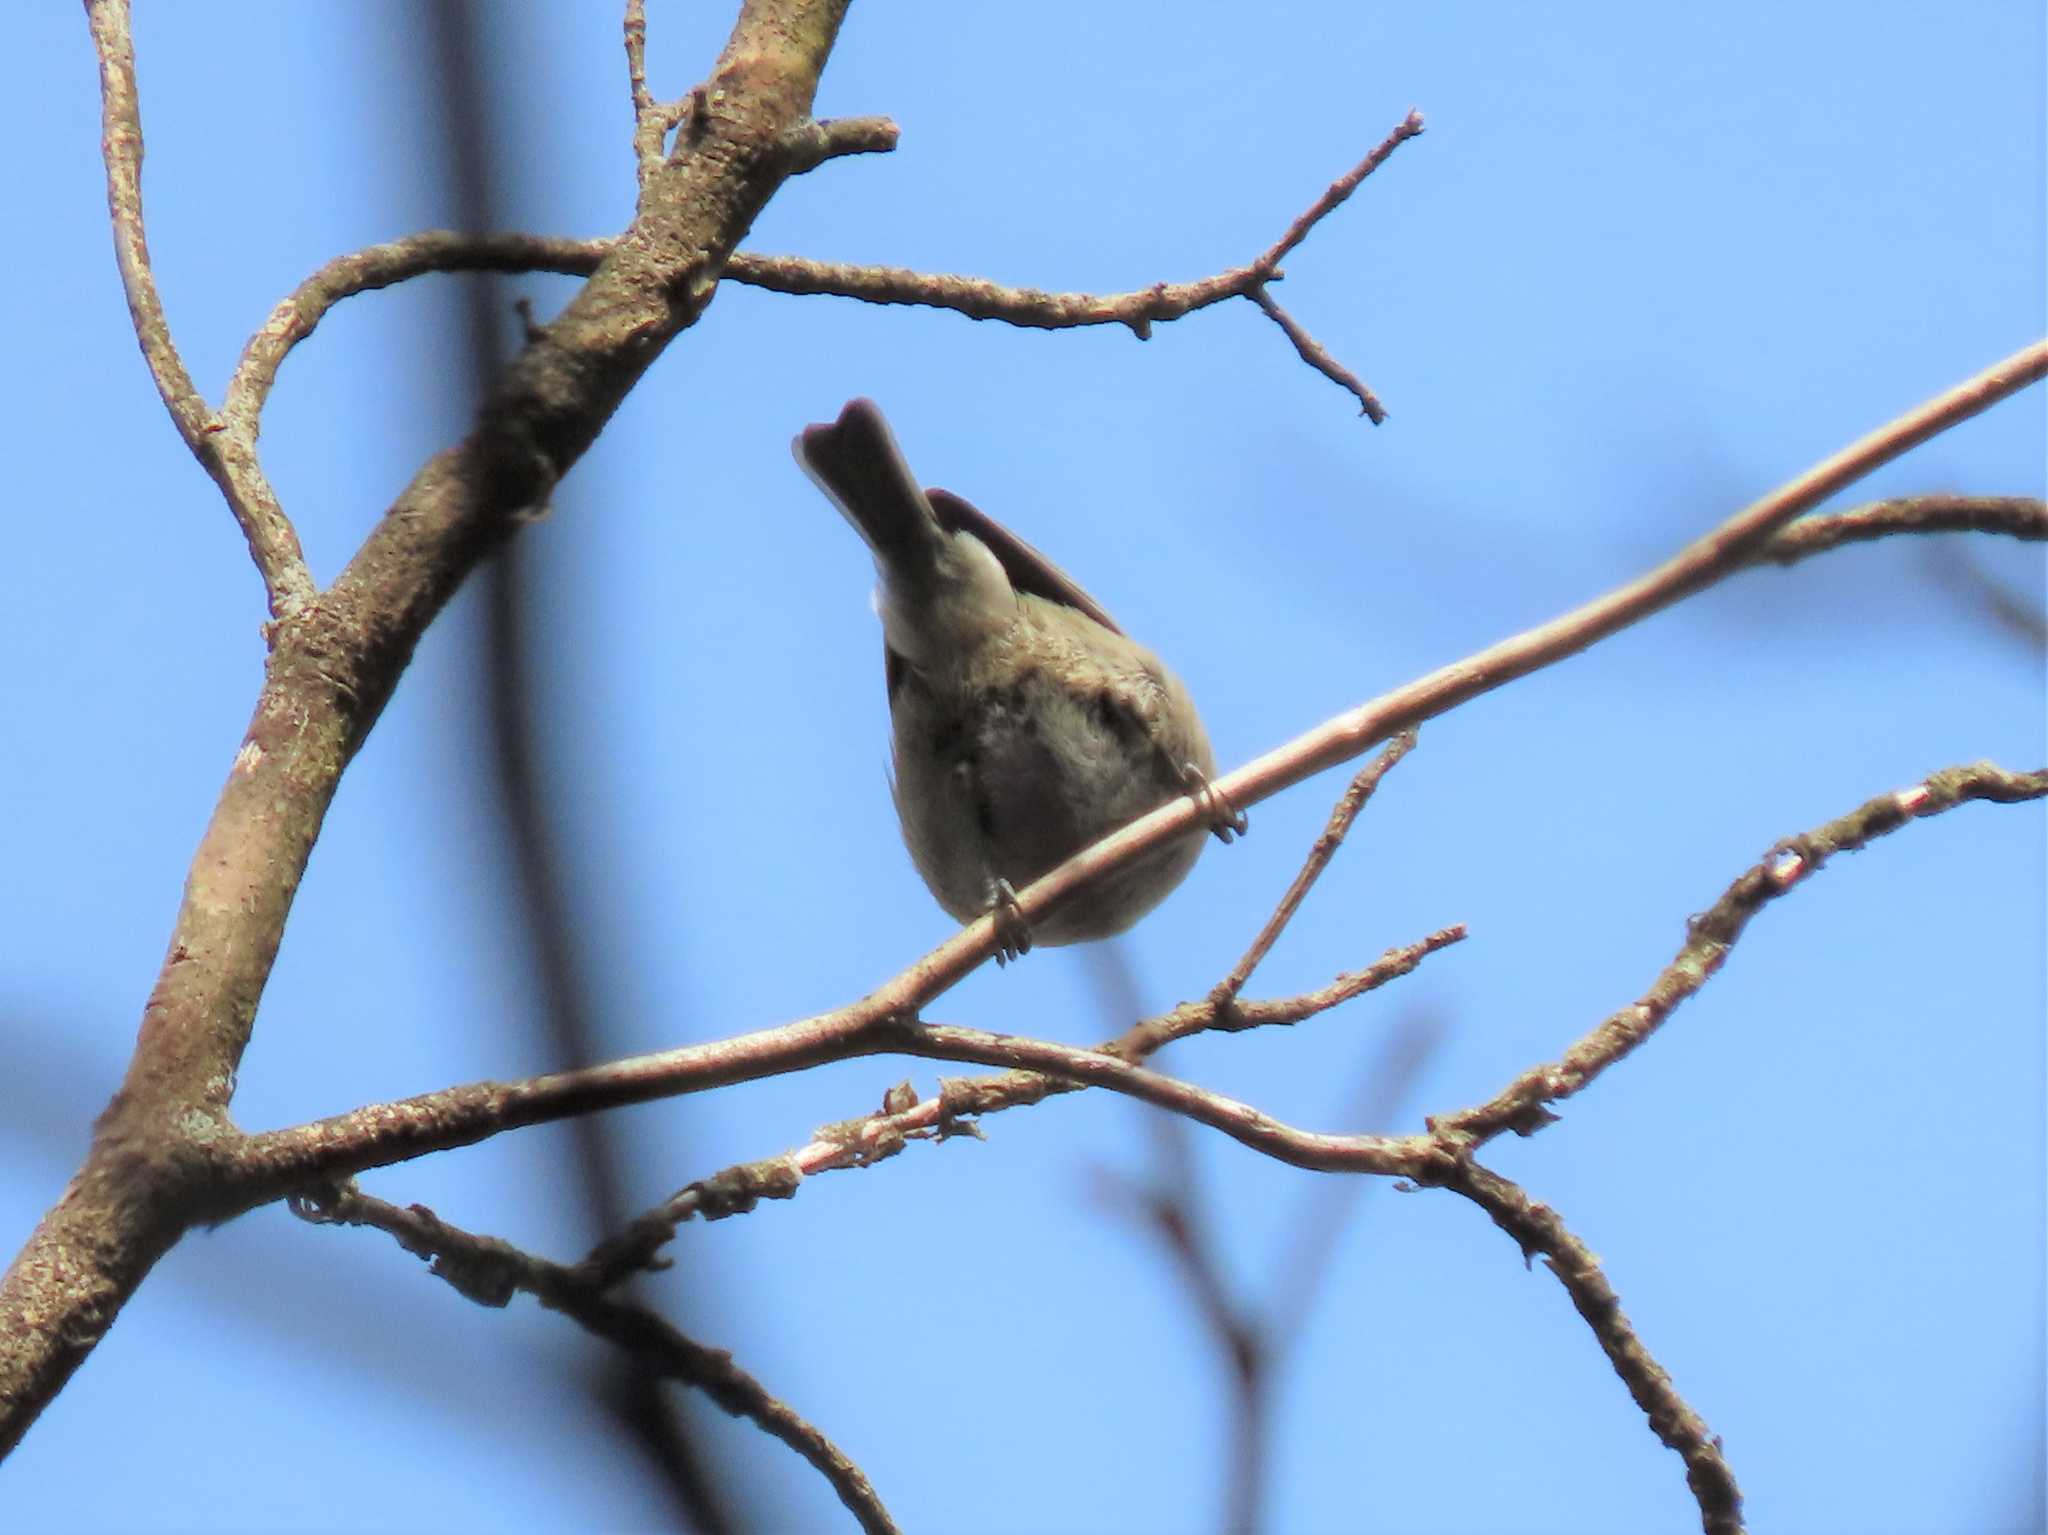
x,y
270,1165
1346,810
1538,1229
461,1116
227,456
1313,353
382,266
807,144
1708,559
2022,517
1522,1105
1339,190
154,1166
981,299
490,1271
904,1117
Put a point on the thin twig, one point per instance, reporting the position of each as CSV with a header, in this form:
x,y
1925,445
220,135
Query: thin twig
x,y
381,266
1338,190
1346,810
490,1271
1316,356
228,456
1522,1106
1538,1229
648,128
439,250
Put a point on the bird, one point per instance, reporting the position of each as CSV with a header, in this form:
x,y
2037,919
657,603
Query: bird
x,y
1025,724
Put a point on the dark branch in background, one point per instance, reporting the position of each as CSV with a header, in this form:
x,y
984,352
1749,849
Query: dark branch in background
x,y
1254,1339
1985,597
1257,1336
627,1387
490,1272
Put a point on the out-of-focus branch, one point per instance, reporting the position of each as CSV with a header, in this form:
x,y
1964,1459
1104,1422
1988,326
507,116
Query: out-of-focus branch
x,y
629,1398
489,1272
227,455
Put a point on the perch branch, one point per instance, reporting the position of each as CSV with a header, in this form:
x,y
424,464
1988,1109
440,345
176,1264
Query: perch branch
x,y
904,1117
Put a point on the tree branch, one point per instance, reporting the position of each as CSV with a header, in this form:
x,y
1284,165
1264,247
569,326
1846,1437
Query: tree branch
x,y
1522,1106
154,1165
462,1116
1320,852
228,456
2022,517
807,144
489,1272
903,1118
1537,1228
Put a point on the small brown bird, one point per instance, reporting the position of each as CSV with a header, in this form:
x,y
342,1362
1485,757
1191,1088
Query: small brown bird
x,y
1026,723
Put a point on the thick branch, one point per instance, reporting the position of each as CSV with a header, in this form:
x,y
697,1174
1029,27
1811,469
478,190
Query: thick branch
x,y
336,659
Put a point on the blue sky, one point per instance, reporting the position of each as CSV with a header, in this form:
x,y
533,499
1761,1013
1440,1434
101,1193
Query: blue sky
x,y
1645,264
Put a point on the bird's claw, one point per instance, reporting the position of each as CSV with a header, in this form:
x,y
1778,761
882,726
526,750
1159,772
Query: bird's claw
x,y
1013,933
1225,819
